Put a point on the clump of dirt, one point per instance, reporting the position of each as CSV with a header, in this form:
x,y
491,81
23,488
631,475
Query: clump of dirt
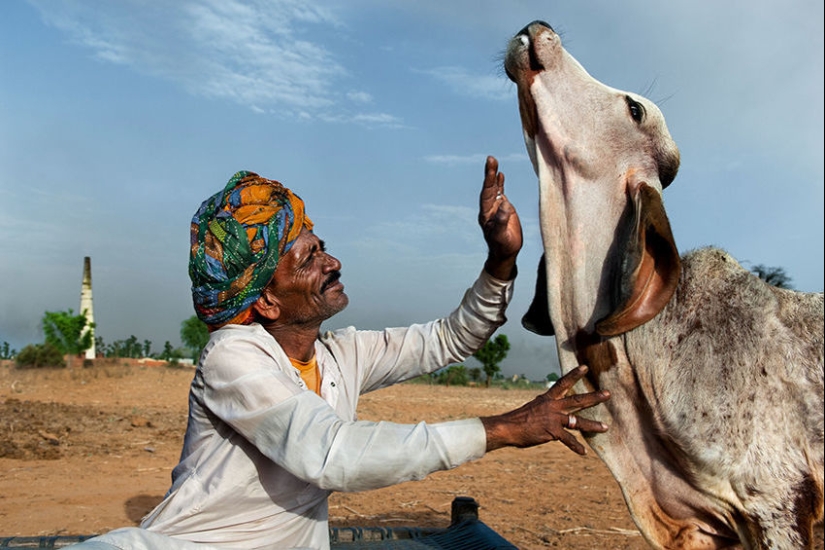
x,y
35,430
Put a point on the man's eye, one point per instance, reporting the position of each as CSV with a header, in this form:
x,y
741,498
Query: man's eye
x,y
308,259
637,110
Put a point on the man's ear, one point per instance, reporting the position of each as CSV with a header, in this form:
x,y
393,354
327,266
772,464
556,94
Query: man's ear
x,y
267,306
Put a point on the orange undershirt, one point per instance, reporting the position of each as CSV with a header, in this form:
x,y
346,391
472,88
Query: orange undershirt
x,y
309,373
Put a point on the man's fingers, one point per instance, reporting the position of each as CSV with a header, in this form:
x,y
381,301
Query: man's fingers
x,y
563,384
582,425
492,191
491,172
492,164
586,425
570,441
492,180
584,400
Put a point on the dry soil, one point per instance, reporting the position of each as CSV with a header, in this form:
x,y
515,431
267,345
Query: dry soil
x,y
87,450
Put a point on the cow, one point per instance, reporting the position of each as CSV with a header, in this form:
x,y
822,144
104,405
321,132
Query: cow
x,y
716,377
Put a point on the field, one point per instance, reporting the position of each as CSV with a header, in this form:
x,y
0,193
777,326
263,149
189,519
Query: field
x,y
86,450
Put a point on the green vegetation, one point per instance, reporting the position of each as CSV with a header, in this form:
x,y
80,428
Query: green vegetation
x,y
491,354
170,354
132,348
6,352
455,375
66,335
67,332
459,375
39,355
194,334
129,347
775,276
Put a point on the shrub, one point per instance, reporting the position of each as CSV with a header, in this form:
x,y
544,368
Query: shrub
x,y
39,355
455,375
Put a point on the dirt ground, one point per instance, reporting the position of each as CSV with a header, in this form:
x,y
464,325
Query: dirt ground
x,y
87,450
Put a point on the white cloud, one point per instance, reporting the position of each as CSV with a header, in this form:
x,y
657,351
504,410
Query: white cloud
x,y
253,53
263,54
474,159
359,97
382,119
364,119
464,83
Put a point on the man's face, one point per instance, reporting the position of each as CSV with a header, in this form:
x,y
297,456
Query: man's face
x,y
306,283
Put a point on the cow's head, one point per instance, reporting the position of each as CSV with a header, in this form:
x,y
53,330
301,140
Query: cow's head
x,y
602,157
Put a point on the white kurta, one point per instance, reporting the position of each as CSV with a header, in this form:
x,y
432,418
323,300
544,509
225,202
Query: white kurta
x,y
262,453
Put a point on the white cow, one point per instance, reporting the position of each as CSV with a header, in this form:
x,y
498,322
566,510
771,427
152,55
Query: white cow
x,y
716,415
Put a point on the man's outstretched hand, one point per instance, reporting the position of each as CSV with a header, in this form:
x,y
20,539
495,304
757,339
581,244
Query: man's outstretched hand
x,y
548,417
500,223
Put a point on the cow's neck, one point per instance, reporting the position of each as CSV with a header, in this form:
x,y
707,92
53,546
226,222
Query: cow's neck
x,y
577,233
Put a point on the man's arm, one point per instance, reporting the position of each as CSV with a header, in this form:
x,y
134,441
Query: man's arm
x,y
397,354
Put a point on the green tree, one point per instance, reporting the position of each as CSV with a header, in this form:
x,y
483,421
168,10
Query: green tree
x,y
775,276
171,354
67,332
194,334
6,352
491,354
168,351
552,377
125,348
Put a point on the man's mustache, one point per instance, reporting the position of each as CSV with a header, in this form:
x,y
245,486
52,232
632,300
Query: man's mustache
x,y
331,280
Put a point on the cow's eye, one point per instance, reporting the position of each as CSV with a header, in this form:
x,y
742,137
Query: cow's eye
x,y
637,110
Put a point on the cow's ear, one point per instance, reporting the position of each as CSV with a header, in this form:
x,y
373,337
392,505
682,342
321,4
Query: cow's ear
x,y
650,265
537,318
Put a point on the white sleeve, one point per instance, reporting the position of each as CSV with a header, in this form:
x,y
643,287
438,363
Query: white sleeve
x,y
382,358
299,431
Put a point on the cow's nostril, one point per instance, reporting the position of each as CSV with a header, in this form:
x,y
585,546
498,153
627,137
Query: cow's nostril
x,y
535,63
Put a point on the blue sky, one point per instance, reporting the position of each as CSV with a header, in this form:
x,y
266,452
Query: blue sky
x,y
118,118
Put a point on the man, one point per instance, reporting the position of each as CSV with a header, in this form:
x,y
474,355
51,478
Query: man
x,y
272,407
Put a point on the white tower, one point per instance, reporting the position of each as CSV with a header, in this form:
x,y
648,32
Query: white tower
x,y
86,303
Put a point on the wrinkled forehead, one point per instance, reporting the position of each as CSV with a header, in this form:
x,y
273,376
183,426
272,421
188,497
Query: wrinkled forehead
x,y
306,240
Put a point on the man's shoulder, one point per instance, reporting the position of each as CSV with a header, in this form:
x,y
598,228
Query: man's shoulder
x,y
247,339
343,342
238,350
338,334
239,333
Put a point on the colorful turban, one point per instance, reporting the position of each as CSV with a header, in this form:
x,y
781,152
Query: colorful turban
x,y
238,236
